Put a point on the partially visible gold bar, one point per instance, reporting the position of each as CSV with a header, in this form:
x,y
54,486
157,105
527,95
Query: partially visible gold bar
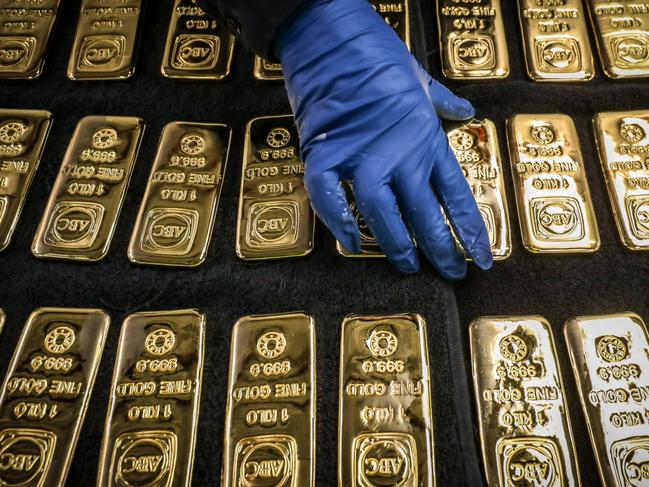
x,y
623,146
87,197
555,39
266,70
472,39
275,215
369,245
46,392
22,139
524,426
198,47
177,214
555,210
385,431
475,145
105,43
150,433
271,408
610,359
2,319
622,33
25,33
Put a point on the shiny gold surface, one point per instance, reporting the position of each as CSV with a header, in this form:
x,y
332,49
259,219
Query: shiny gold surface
x,y
105,42
385,431
271,408
369,245
622,33
623,145
22,138
472,39
152,418
555,39
524,427
197,47
26,29
475,145
275,215
177,214
85,202
46,392
555,210
610,359
2,319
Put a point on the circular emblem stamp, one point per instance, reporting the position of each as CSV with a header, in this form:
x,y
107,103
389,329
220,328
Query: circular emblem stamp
x,y
611,348
271,344
59,340
104,138
543,134
192,144
382,343
11,132
632,132
278,138
160,341
462,140
512,347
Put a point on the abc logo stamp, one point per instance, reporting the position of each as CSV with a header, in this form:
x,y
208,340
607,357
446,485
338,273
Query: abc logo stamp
x,y
529,461
630,50
631,461
145,458
273,225
490,222
557,219
25,456
195,52
472,52
637,208
170,231
74,225
558,55
266,461
101,51
16,53
381,459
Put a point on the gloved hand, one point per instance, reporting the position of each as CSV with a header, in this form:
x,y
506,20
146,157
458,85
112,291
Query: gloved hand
x,y
367,112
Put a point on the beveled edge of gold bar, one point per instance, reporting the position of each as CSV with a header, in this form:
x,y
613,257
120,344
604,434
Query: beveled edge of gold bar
x,y
362,255
212,222
47,118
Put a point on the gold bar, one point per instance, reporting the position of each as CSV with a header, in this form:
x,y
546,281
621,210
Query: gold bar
x,y
267,71
385,431
106,39
524,426
472,40
369,245
179,207
150,433
22,138
610,359
198,47
475,145
555,210
275,215
84,205
555,39
271,409
46,392
623,146
25,33
622,34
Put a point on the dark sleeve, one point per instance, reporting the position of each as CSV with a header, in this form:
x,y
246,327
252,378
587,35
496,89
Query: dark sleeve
x,y
255,22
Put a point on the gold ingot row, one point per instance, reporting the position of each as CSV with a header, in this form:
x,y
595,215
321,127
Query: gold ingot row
x,y
178,210
385,434
472,38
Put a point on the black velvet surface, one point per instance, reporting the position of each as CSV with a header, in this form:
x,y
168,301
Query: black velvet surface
x,y
324,284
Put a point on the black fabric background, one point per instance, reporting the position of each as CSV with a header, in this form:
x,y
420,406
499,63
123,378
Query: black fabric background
x,y
323,284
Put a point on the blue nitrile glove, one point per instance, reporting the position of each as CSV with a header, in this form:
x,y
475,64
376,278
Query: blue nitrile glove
x,y
367,112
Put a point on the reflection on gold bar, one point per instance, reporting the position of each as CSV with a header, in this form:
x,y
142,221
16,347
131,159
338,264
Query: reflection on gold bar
x,y
472,40
2,319
622,33
197,47
275,216
270,417
267,71
27,29
178,210
524,427
623,144
106,41
554,206
555,38
22,139
610,359
385,431
84,205
475,145
152,416
46,392
369,245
